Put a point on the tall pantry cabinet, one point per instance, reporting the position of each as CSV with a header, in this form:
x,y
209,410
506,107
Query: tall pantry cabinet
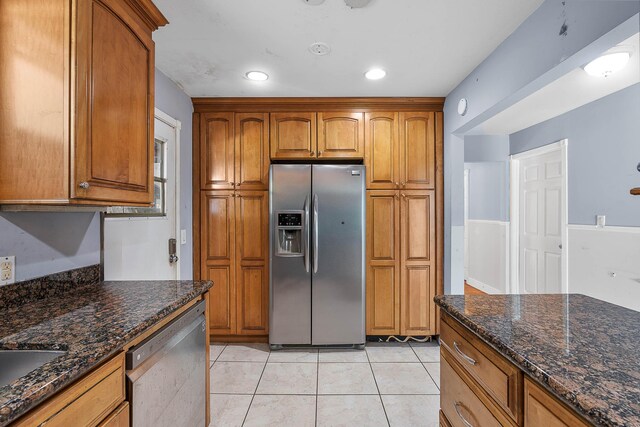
x,y
233,165
399,140
404,179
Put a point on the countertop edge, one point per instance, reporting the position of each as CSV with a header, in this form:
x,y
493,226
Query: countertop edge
x,y
568,397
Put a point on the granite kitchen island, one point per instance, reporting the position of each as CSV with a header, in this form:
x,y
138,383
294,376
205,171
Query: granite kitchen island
x,y
527,359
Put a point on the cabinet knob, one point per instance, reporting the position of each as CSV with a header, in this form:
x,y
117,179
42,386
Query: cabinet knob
x,y
397,197
319,153
84,184
397,184
404,195
232,183
402,183
312,153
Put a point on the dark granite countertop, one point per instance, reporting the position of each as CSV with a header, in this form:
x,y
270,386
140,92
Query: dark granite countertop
x,y
91,322
585,351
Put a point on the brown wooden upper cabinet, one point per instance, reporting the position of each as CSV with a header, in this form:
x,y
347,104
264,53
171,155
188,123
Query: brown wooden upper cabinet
x,y
417,150
217,171
81,128
234,151
293,135
340,135
326,135
382,156
400,150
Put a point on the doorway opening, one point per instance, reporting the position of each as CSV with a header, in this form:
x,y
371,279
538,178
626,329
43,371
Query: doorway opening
x,y
539,250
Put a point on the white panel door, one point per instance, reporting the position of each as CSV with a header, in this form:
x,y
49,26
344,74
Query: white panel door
x,y
136,240
541,223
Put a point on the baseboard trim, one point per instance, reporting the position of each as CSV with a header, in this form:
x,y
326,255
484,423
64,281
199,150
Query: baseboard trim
x,y
483,286
238,338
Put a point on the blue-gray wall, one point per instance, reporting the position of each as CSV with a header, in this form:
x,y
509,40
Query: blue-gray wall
x,y
602,155
173,101
46,243
535,48
486,157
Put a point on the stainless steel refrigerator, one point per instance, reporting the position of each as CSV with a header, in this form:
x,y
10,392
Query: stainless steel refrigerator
x,y
317,257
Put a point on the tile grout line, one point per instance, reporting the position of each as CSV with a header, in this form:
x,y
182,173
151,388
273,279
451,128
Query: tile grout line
x,y
377,388
244,420
425,368
317,385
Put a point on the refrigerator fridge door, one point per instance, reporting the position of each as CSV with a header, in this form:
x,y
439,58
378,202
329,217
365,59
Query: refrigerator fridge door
x,y
290,276
338,254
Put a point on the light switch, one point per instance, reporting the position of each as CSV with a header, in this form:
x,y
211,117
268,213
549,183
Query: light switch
x,y
601,221
183,237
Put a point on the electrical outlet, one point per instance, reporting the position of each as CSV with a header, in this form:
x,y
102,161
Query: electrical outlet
x,y
601,221
7,270
183,237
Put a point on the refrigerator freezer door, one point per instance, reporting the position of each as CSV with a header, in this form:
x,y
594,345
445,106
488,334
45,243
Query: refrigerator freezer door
x,y
338,279
290,283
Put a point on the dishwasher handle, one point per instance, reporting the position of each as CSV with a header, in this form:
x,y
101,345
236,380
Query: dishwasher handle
x,y
147,348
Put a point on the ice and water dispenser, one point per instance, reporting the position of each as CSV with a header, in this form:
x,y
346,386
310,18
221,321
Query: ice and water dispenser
x,y
290,241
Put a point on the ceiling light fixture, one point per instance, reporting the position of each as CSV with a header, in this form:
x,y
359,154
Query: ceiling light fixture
x,y
607,64
258,76
375,74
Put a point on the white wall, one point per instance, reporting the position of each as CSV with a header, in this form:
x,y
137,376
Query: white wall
x,y
604,263
488,256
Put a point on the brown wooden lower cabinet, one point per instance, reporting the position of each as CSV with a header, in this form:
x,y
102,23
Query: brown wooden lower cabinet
x,y
118,418
479,387
86,403
234,248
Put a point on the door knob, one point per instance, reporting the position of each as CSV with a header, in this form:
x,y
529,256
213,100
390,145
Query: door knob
x,y
172,251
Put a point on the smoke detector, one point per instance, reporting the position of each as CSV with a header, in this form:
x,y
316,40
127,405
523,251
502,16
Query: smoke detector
x,y
356,4
313,2
319,49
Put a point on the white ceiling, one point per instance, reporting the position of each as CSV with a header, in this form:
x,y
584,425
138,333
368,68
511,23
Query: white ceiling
x,y
426,46
569,92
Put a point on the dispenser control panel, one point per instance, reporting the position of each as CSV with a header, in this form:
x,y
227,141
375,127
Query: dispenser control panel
x,y
289,220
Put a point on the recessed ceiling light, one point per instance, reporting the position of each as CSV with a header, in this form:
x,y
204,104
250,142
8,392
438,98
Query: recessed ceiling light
x,y
258,76
607,64
375,74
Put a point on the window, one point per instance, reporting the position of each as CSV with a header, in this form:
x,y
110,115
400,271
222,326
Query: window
x,y
159,207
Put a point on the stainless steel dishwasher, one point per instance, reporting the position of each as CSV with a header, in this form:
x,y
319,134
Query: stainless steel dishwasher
x,y
166,374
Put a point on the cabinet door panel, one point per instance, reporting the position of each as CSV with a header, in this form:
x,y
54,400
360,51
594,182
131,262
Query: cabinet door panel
x,y
293,135
383,300
542,409
417,150
217,227
114,134
419,226
340,135
252,151
383,290
417,307
383,225
418,266
253,300
252,226
216,151
222,299
381,144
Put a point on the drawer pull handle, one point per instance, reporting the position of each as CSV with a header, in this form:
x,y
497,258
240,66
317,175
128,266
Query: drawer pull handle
x,y
464,356
457,406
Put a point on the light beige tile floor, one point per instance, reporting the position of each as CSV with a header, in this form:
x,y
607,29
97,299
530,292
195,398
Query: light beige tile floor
x,y
388,384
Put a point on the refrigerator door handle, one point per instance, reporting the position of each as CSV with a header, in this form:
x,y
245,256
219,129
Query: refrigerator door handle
x,y
315,233
306,243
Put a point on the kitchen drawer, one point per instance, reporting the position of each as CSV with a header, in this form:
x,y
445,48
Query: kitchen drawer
x,y
86,403
118,418
460,405
499,378
542,409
